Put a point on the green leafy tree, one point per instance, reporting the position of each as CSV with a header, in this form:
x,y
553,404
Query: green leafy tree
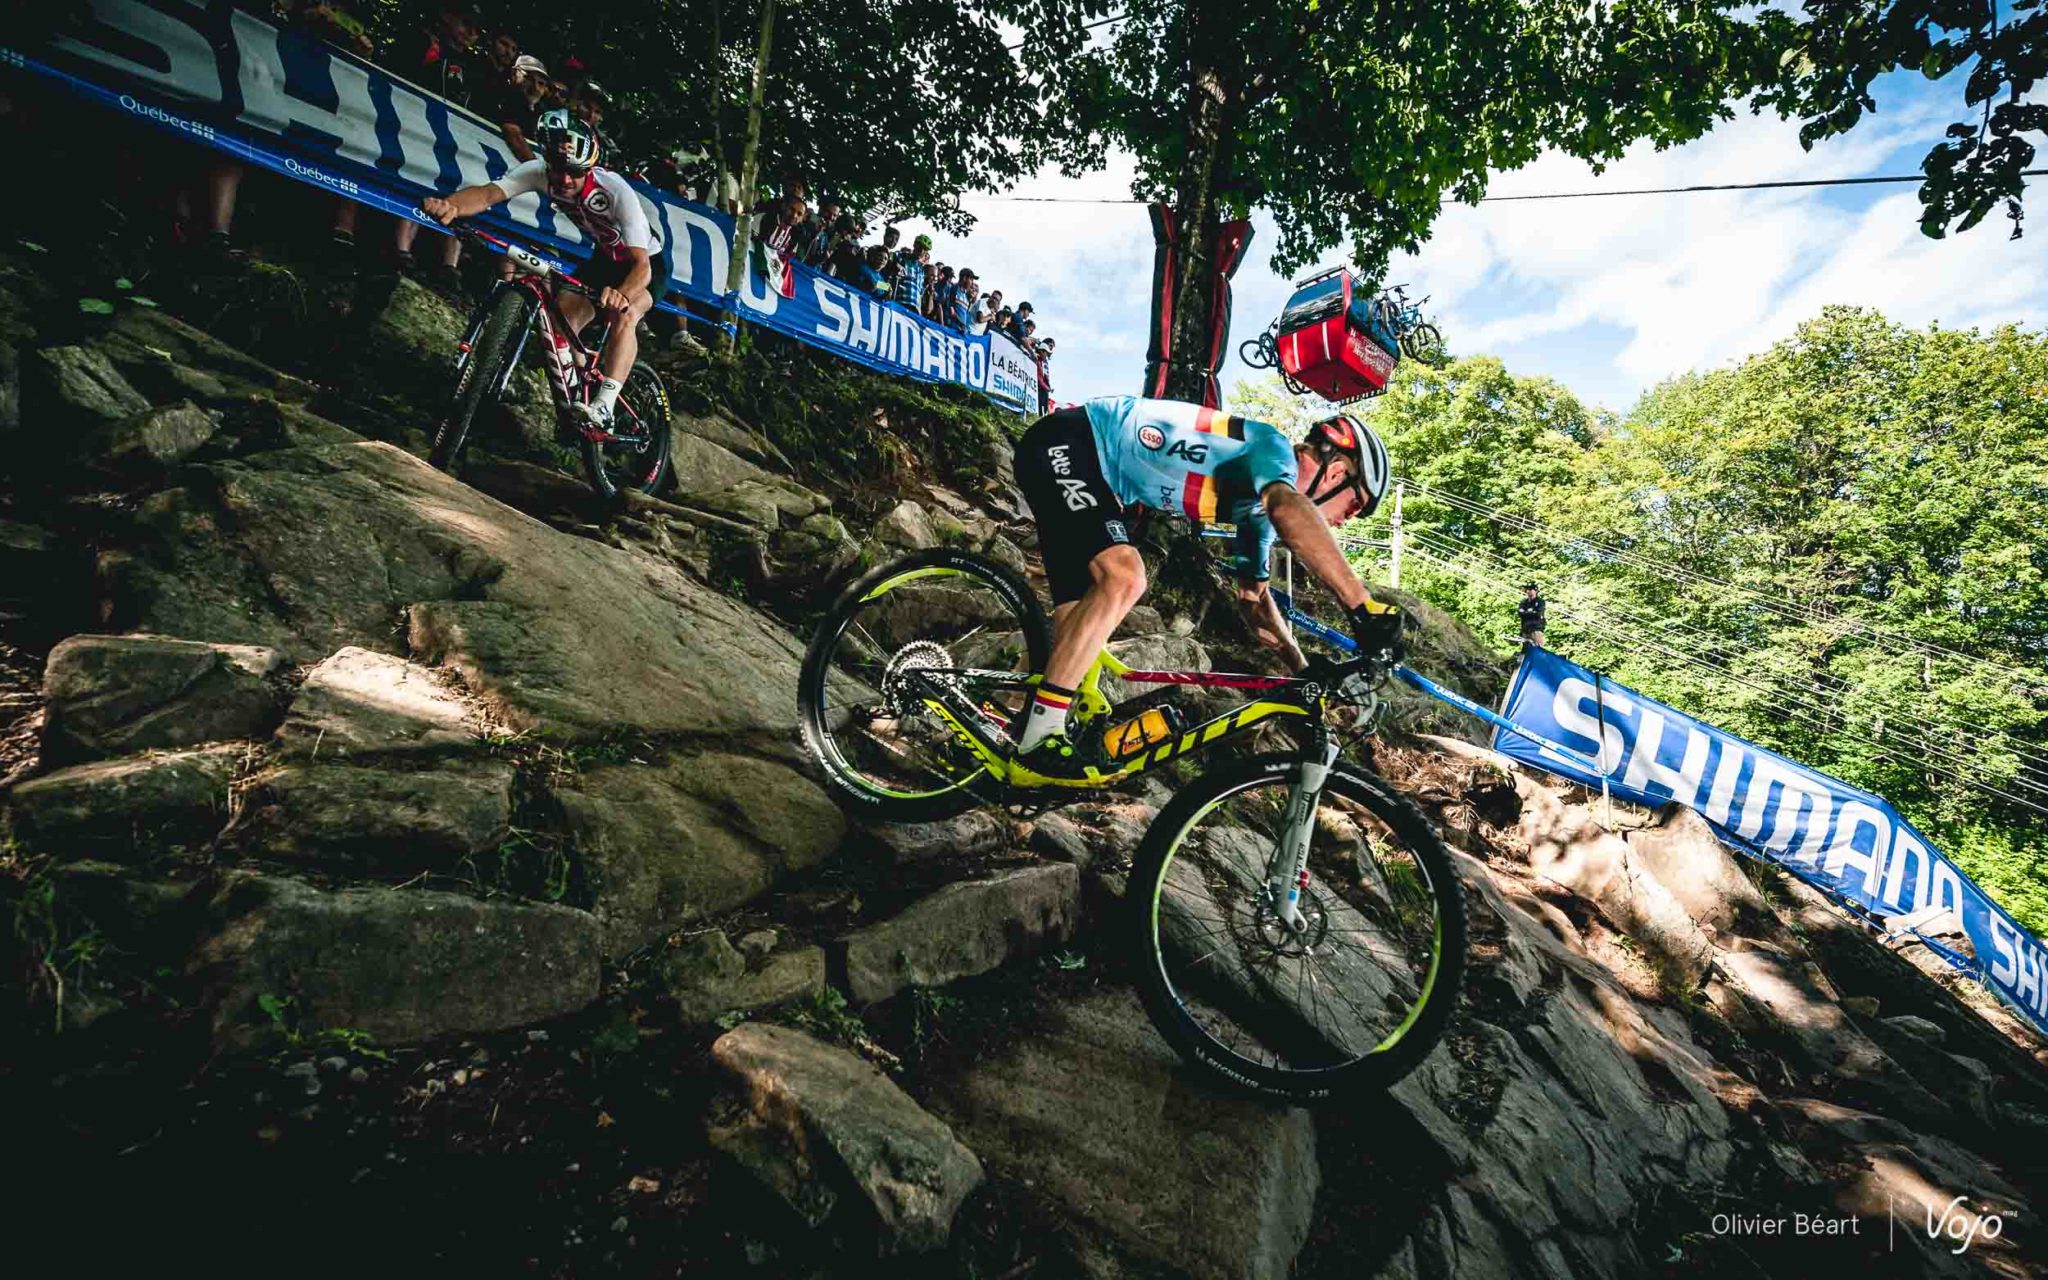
x,y
1352,121
1830,548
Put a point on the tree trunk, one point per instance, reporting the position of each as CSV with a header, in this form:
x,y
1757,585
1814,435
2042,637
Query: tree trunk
x,y
750,158
1197,220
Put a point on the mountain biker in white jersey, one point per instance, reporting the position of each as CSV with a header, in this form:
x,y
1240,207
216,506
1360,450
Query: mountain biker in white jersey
x,y
1080,467
628,268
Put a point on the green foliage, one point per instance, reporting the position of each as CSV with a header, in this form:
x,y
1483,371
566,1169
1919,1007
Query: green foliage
x,y
1871,493
1830,59
1352,122
895,105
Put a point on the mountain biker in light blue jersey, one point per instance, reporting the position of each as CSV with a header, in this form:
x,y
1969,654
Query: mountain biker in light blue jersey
x,y
1080,467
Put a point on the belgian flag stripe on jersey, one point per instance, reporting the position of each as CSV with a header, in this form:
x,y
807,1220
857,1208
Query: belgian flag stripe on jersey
x,y
1198,497
1217,423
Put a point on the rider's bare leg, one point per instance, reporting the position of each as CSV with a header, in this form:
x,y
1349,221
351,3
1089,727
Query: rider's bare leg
x,y
1080,628
623,347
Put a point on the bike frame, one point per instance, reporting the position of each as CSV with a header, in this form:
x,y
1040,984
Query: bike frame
x,y
539,280
1287,874
987,737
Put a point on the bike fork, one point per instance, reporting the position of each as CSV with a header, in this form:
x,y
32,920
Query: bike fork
x,y
1287,875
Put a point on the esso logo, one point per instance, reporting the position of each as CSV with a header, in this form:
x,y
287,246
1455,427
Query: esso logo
x,y
1151,437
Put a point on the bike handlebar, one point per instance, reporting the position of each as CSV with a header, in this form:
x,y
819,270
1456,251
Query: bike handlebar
x,y
520,255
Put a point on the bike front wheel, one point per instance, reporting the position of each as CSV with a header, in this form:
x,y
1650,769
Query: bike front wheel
x,y
1356,996
940,627
481,374
1424,343
636,455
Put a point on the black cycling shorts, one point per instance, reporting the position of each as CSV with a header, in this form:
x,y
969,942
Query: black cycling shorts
x,y
1078,517
603,271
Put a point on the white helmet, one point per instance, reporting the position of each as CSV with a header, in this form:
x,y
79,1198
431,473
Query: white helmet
x,y
1370,467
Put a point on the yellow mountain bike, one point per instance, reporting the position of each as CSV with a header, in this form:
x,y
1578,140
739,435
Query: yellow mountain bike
x,y
1300,926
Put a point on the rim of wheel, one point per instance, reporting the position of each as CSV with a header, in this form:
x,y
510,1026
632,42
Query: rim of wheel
x,y
885,674
1244,981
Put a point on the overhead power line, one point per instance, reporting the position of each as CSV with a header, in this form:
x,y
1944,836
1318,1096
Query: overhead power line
x,y
1927,736
1910,723
1625,639
1802,613
1789,184
1086,26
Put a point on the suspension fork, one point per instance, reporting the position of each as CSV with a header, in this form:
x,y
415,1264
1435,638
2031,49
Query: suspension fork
x,y
1287,874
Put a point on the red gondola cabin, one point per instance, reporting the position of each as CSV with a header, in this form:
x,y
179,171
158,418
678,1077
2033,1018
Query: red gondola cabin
x,y
1330,342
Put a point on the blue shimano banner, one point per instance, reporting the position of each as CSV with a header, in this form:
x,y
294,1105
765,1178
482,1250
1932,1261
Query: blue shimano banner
x,y
226,79
1846,842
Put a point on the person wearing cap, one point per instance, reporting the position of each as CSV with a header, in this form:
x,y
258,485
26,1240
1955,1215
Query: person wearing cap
x,y
1015,329
1529,609
912,266
516,105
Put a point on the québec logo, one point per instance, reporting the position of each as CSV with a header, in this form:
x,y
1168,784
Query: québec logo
x,y
1151,437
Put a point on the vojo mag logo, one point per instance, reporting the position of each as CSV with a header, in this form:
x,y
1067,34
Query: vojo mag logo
x,y
1151,437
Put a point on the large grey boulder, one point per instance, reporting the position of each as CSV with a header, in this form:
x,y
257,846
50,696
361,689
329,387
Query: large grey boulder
x,y
722,430
906,527
361,702
1558,1107
151,441
1096,1113
311,550
966,928
1698,870
78,387
704,466
110,695
709,977
1783,998
1569,846
167,359
965,835
829,1133
131,808
403,965
664,846
395,819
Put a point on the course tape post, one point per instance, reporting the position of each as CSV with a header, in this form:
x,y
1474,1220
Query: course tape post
x,y
226,79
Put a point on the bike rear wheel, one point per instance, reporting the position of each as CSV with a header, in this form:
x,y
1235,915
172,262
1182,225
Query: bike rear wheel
x,y
1352,1002
482,373
637,457
965,625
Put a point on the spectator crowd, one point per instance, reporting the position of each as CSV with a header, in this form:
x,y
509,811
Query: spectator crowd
x,y
828,237
495,76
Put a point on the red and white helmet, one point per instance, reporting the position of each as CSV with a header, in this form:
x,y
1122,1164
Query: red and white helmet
x,y
1370,468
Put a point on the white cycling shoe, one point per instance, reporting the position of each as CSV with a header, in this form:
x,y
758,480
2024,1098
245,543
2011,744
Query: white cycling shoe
x,y
594,418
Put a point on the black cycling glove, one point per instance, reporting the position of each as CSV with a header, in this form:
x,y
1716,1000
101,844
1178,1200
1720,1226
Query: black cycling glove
x,y
1377,627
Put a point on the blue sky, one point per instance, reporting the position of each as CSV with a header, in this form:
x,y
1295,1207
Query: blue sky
x,y
1607,296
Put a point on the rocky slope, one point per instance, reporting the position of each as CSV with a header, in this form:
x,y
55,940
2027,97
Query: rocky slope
x,y
433,862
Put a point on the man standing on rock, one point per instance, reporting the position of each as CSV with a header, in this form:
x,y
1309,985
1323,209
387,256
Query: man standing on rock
x,y
628,269
1530,610
1080,467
